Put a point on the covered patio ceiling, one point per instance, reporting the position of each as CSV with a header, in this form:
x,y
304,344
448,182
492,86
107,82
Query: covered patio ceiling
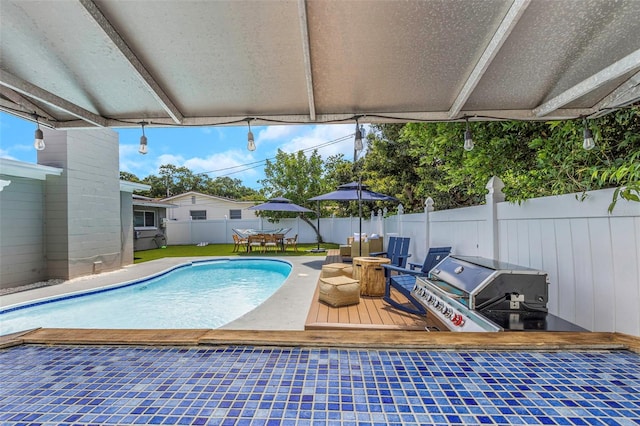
x,y
116,63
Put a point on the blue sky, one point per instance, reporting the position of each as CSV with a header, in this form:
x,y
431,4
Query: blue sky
x,y
201,149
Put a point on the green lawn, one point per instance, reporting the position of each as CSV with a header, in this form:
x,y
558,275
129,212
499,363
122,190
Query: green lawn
x,y
222,250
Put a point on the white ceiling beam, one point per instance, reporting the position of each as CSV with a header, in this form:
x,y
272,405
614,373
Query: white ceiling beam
x,y
499,37
35,92
11,108
141,72
626,94
24,103
306,51
613,71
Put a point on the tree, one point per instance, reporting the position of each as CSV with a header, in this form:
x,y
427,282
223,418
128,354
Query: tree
x,y
230,188
296,177
129,177
533,159
173,180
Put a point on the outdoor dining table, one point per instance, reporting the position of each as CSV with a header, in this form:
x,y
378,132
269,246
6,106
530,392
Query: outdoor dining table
x,y
279,233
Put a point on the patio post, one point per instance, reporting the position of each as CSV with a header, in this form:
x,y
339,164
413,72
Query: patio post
x,y
492,198
428,207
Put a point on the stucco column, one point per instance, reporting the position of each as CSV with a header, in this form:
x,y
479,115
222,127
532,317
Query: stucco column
x,y
82,205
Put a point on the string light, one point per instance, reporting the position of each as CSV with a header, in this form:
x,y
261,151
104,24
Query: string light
x,y
143,140
468,139
588,143
358,146
38,142
251,144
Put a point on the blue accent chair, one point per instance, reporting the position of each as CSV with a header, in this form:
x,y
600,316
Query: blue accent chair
x,y
405,280
397,251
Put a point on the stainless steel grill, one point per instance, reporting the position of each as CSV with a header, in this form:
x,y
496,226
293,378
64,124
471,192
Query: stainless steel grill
x,y
478,294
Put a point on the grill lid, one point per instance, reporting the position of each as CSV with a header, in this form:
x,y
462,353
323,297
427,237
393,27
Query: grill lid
x,y
477,280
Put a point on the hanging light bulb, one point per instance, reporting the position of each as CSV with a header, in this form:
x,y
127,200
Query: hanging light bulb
x,y
588,143
251,144
143,140
38,142
358,141
468,139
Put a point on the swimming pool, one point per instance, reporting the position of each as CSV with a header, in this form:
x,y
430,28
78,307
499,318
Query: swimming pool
x,y
202,294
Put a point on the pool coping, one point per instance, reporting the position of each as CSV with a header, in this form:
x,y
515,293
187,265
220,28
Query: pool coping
x,y
367,339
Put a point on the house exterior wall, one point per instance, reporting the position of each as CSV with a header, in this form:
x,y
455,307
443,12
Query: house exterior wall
x,y
216,208
126,226
83,204
150,237
22,232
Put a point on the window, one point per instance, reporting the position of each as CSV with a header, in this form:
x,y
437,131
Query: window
x,y
143,219
193,199
235,214
198,214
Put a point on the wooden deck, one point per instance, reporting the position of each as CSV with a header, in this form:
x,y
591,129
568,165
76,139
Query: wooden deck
x,y
371,313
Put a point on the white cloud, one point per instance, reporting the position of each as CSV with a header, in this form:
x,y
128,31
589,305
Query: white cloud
x,y
176,160
323,135
133,162
275,133
5,154
233,163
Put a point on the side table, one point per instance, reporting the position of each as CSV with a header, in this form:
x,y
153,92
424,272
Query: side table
x,y
370,273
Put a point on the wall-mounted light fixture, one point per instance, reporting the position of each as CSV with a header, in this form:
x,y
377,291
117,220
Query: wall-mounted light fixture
x,y
588,142
143,140
251,144
468,139
38,142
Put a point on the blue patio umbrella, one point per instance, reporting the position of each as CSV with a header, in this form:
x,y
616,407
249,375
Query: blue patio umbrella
x,y
280,204
353,191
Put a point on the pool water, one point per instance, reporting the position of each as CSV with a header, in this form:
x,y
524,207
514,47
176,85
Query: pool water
x,y
196,295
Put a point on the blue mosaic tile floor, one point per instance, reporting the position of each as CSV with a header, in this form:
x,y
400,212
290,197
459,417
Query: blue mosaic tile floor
x,y
69,385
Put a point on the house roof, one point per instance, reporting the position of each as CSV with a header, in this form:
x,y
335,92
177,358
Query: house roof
x,y
27,170
133,186
213,197
141,201
116,63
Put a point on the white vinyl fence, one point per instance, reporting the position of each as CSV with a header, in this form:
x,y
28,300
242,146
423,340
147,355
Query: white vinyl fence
x,y
592,257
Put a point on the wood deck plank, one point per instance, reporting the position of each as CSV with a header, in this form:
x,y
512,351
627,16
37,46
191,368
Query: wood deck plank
x,y
370,313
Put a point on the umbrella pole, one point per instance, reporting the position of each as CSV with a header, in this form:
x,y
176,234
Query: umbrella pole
x,y
318,250
360,214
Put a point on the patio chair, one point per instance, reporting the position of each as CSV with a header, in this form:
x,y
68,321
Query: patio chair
x,y
239,243
406,280
292,241
397,251
256,241
270,242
